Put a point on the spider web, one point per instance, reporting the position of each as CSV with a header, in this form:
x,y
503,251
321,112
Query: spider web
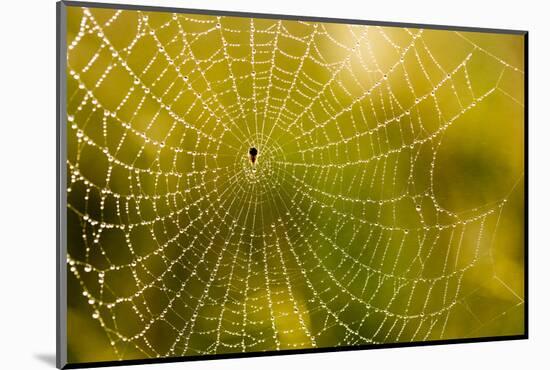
x,y
336,236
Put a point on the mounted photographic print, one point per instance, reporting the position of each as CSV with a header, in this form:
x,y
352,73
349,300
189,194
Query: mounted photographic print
x,y
235,184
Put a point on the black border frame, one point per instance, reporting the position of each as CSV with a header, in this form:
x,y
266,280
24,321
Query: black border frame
x,y
61,272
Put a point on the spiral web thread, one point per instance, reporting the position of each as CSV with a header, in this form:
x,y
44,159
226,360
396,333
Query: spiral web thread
x,y
181,246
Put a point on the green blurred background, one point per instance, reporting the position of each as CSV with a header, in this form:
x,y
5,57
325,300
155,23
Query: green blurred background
x,y
386,204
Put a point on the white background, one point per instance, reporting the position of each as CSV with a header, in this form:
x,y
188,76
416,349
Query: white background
x,y
27,182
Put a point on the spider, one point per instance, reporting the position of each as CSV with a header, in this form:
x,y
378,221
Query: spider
x,y
253,153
